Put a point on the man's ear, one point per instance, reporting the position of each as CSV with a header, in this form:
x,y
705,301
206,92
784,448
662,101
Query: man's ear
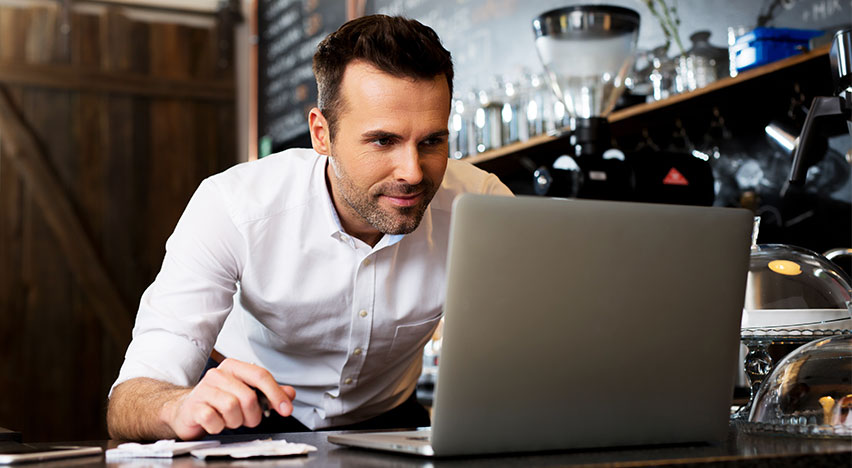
x,y
320,136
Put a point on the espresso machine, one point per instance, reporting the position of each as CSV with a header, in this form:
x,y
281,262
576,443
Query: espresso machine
x,y
807,151
587,52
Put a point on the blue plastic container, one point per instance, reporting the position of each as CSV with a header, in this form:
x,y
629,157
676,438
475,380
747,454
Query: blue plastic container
x,y
767,45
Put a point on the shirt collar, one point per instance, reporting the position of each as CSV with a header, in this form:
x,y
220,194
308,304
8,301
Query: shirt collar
x,y
333,226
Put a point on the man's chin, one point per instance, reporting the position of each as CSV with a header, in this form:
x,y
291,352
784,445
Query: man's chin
x,y
402,227
397,219
402,221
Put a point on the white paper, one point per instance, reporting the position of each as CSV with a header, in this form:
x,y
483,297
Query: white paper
x,y
255,448
159,449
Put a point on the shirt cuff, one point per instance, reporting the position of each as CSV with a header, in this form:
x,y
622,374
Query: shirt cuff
x,y
164,356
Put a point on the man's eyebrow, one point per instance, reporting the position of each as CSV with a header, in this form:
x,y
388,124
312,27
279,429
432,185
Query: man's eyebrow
x,y
378,134
438,134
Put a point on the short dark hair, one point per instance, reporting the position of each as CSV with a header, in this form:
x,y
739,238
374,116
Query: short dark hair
x,y
398,46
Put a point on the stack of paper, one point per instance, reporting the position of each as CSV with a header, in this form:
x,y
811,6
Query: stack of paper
x,y
159,449
255,448
210,448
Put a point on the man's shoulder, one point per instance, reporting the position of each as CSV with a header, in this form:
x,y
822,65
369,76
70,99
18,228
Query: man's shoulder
x,y
276,182
463,177
292,161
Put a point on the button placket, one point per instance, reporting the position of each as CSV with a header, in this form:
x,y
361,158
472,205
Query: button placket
x,y
364,294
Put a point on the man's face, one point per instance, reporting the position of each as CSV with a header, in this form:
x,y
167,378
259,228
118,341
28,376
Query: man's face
x,y
389,150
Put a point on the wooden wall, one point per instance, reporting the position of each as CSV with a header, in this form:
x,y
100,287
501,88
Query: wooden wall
x,y
109,119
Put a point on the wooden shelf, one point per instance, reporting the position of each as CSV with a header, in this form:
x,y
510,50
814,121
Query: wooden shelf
x,y
747,75
510,148
640,109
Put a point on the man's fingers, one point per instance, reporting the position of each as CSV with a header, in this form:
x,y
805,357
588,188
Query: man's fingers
x,y
209,419
228,406
250,411
226,397
184,422
261,379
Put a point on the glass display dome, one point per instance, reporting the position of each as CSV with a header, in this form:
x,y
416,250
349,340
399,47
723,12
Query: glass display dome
x,y
791,287
793,296
809,392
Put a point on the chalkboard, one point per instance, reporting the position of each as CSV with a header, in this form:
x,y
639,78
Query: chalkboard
x,y
487,38
288,34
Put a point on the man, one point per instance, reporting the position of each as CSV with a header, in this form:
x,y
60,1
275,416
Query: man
x,y
319,274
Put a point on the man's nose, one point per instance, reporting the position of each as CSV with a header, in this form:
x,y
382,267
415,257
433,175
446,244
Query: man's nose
x,y
408,168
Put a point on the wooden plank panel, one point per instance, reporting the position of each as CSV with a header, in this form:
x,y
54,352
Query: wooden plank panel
x,y
56,359
86,40
88,397
30,162
13,290
226,145
117,41
125,182
126,164
206,116
90,132
42,34
201,47
172,180
14,22
168,57
47,359
48,112
140,40
76,79
143,148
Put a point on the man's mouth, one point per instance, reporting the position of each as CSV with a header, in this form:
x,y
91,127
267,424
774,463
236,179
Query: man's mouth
x,y
404,200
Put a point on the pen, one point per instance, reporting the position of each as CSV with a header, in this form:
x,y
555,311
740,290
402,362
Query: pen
x,y
264,403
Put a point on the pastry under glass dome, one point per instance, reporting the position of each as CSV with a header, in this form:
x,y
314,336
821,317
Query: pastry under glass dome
x,y
809,392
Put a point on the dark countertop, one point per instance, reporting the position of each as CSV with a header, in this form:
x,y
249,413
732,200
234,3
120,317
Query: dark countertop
x,y
741,449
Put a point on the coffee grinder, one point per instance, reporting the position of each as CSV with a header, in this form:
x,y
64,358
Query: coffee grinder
x,y
587,51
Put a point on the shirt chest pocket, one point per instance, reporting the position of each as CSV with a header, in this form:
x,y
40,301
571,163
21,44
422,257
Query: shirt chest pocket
x,y
410,338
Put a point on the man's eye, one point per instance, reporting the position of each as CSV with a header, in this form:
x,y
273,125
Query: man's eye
x,y
432,142
382,141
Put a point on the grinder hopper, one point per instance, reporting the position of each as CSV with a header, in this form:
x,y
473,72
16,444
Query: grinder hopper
x,y
587,51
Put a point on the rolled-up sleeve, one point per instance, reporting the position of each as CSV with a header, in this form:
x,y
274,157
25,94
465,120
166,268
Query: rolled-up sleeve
x,y
182,311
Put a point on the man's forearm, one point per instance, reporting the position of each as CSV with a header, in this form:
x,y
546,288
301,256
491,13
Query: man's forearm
x,y
136,407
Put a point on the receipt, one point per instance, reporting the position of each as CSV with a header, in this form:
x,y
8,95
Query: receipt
x,y
255,448
158,449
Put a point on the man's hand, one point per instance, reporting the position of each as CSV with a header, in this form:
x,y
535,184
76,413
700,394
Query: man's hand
x,y
225,398
148,409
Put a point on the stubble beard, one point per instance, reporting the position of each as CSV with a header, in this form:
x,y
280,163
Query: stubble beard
x,y
394,220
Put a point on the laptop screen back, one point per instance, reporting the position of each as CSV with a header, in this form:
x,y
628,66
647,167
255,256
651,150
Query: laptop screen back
x,y
577,323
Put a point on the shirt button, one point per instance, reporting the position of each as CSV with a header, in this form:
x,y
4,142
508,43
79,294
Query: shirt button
x,y
357,351
367,262
363,313
347,381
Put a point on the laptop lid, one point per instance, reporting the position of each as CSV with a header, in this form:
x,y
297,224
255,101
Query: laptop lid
x,y
579,323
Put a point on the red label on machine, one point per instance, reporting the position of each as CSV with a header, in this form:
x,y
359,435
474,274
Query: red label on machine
x,y
674,177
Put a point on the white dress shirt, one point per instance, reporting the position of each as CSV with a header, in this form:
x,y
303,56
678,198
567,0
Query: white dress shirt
x,y
260,267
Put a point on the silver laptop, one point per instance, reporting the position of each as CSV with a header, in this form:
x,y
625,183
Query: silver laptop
x,y
576,323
